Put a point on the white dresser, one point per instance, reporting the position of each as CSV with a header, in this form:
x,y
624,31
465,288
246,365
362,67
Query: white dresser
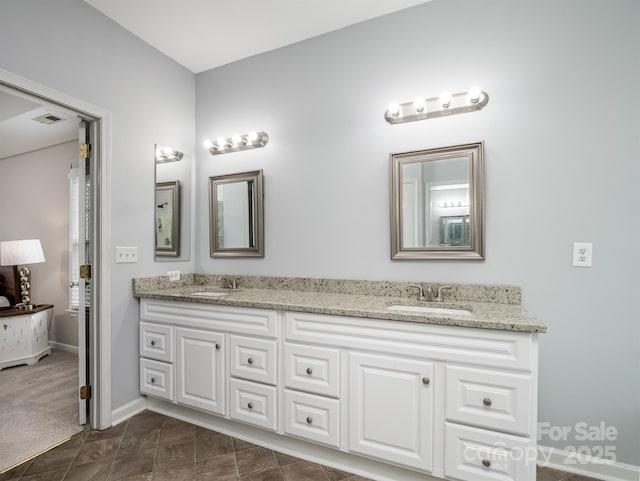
x,y
24,336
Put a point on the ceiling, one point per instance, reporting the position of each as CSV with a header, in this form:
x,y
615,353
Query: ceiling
x,y
198,34
204,34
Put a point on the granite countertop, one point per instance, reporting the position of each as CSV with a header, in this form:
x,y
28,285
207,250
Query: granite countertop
x,y
484,315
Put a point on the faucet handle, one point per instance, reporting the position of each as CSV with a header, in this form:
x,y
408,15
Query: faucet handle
x,y
439,294
420,291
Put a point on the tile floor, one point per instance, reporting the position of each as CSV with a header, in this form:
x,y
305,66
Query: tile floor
x,y
153,447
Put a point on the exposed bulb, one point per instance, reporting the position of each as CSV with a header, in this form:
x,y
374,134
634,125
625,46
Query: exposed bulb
x,y
208,143
474,94
222,142
419,104
236,139
394,109
252,136
445,99
167,150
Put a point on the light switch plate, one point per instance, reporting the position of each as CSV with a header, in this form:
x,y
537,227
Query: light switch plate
x,y
126,255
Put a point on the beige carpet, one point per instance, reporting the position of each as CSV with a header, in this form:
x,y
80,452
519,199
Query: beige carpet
x,y
38,406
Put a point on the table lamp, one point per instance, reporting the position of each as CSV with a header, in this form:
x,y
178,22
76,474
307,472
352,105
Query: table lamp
x,y
20,253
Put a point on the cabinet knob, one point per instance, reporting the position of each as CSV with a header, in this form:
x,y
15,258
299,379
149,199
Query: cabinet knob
x,y
250,360
153,380
217,347
486,401
426,380
309,420
486,463
153,343
250,405
309,371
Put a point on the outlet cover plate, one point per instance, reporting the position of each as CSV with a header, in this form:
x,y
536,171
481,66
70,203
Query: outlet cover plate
x,y
582,254
173,275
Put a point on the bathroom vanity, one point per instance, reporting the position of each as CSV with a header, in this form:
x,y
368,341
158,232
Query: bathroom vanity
x,y
24,336
341,379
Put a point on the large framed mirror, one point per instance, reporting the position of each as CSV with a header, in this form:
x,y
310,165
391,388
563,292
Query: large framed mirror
x,y
236,215
437,203
172,204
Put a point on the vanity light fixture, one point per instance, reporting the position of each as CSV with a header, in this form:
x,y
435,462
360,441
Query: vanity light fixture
x,y
446,104
167,154
237,142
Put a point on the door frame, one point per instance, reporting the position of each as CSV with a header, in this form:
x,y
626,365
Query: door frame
x,y
100,324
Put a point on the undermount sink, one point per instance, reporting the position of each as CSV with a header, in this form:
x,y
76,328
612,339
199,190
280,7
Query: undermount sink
x,y
208,294
430,310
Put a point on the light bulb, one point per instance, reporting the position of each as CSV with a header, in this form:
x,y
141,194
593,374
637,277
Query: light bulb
x,y
394,109
419,104
236,139
222,142
208,143
252,136
167,150
445,99
474,94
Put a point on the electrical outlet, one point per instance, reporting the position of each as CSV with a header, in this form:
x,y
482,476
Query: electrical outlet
x,y
582,254
126,255
173,275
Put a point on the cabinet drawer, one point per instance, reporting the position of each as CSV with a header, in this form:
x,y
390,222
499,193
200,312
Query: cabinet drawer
x,y
156,379
156,341
477,455
253,403
491,399
312,417
312,369
253,359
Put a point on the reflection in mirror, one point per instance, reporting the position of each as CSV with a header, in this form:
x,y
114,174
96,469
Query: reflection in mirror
x,y
236,220
172,206
437,202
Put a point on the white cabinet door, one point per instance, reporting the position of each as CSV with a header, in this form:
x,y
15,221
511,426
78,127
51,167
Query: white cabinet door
x,y
391,409
200,370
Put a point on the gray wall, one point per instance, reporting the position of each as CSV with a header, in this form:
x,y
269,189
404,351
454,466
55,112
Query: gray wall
x,y
37,207
561,133
68,46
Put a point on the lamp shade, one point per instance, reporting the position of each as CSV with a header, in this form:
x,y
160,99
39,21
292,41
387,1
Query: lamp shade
x,y
21,252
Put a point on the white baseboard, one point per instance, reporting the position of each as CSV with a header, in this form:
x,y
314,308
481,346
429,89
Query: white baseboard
x,y
63,347
130,409
586,465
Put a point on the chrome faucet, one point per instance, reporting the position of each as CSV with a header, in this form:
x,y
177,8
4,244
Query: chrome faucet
x,y
228,282
428,294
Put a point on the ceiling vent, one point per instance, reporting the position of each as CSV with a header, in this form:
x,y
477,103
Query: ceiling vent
x,y
49,119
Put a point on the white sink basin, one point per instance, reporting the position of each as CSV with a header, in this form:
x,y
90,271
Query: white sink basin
x,y
208,294
430,310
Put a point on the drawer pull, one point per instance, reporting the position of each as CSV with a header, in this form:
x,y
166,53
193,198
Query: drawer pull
x,y
309,371
250,360
486,463
153,343
309,420
426,380
153,380
486,401
217,347
250,405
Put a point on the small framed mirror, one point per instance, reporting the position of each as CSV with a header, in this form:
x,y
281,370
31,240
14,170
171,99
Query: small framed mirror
x,y
168,218
437,203
236,215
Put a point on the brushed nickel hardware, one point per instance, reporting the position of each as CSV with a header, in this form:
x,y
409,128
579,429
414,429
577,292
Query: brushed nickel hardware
x,y
250,360
486,401
426,380
153,380
153,343
309,371
73,284
486,462
228,282
237,142
309,420
217,347
250,405
85,392
428,294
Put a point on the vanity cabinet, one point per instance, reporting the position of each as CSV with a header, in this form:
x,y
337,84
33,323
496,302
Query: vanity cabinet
x,y
451,402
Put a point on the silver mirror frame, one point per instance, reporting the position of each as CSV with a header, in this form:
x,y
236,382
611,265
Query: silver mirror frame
x,y
258,215
173,249
475,251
